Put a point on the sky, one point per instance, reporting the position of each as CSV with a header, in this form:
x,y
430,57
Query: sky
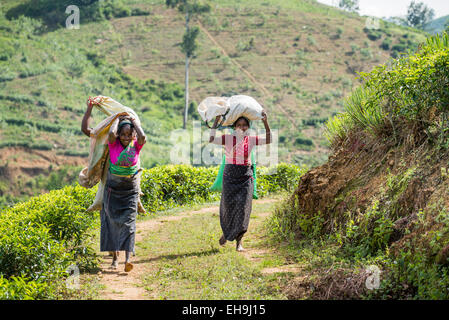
x,y
390,8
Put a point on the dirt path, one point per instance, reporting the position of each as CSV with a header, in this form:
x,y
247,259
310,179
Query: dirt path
x,y
119,285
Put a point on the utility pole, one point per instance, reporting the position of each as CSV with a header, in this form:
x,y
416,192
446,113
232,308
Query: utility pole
x,y
186,93
189,40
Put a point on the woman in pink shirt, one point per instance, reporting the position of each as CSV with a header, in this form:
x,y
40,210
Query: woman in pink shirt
x,y
121,193
238,183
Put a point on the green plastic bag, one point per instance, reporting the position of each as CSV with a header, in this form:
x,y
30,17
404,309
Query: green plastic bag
x,y
218,183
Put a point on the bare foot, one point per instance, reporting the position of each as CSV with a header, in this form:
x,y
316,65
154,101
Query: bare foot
x,y
128,266
239,247
222,241
114,264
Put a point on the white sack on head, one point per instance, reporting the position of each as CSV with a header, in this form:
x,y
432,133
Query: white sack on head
x,y
243,106
96,171
232,107
211,107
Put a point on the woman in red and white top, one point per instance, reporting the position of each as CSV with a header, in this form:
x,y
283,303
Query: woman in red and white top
x,y
238,181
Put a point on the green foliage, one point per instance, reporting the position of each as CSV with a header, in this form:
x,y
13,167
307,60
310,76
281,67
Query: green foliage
x,y
287,222
418,14
362,112
366,53
6,49
192,6
169,186
42,237
301,57
18,288
175,185
245,46
386,44
282,177
311,40
53,14
419,270
189,44
370,232
340,31
409,91
373,34
349,5
315,122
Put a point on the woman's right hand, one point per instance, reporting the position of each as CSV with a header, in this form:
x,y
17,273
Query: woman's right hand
x,y
89,103
217,119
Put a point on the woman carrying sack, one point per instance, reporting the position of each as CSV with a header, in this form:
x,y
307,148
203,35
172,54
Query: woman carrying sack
x,y
238,181
121,192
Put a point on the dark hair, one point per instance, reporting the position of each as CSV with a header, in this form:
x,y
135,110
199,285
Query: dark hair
x,y
122,124
235,122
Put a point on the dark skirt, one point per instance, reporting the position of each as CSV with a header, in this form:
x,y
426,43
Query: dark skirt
x,y
236,200
118,214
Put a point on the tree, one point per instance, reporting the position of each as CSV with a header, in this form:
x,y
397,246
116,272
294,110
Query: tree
x,y
349,5
189,45
419,14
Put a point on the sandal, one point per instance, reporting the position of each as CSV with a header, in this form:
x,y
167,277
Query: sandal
x,y
128,266
114,264
222,241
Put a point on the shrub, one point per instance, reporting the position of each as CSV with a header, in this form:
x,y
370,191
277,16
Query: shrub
x,y
404,95
53,15
373,35
366,53
386,44
42,237
176,185
17,288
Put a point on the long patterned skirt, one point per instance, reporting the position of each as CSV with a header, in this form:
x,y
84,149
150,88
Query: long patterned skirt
x,y
236,200
118,214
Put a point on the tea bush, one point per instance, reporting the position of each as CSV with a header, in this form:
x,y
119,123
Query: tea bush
x,y
176,185
401,99
42,237
16,288
53,13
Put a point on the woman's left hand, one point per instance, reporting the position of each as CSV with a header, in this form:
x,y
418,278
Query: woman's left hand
x,y
264,116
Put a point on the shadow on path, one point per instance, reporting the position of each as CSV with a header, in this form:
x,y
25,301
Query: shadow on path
x,y
181,255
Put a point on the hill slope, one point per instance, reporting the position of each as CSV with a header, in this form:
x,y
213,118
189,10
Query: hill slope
x,y
297,58
382,199
437,25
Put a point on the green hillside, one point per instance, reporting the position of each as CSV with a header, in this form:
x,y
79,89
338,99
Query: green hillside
x,y
382,201
437,25
299,59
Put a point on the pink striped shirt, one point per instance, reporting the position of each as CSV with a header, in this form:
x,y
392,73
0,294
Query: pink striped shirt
x,y
238,150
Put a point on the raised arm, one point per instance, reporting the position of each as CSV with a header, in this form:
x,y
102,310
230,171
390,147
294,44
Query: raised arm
x,y
113,131
267,139
213,139
86,119
267,128
141,137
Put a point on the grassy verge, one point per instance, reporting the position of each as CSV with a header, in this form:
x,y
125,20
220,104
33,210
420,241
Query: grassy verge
x,y
188,263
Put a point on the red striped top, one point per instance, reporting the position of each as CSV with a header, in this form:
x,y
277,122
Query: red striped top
x,y
238,150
